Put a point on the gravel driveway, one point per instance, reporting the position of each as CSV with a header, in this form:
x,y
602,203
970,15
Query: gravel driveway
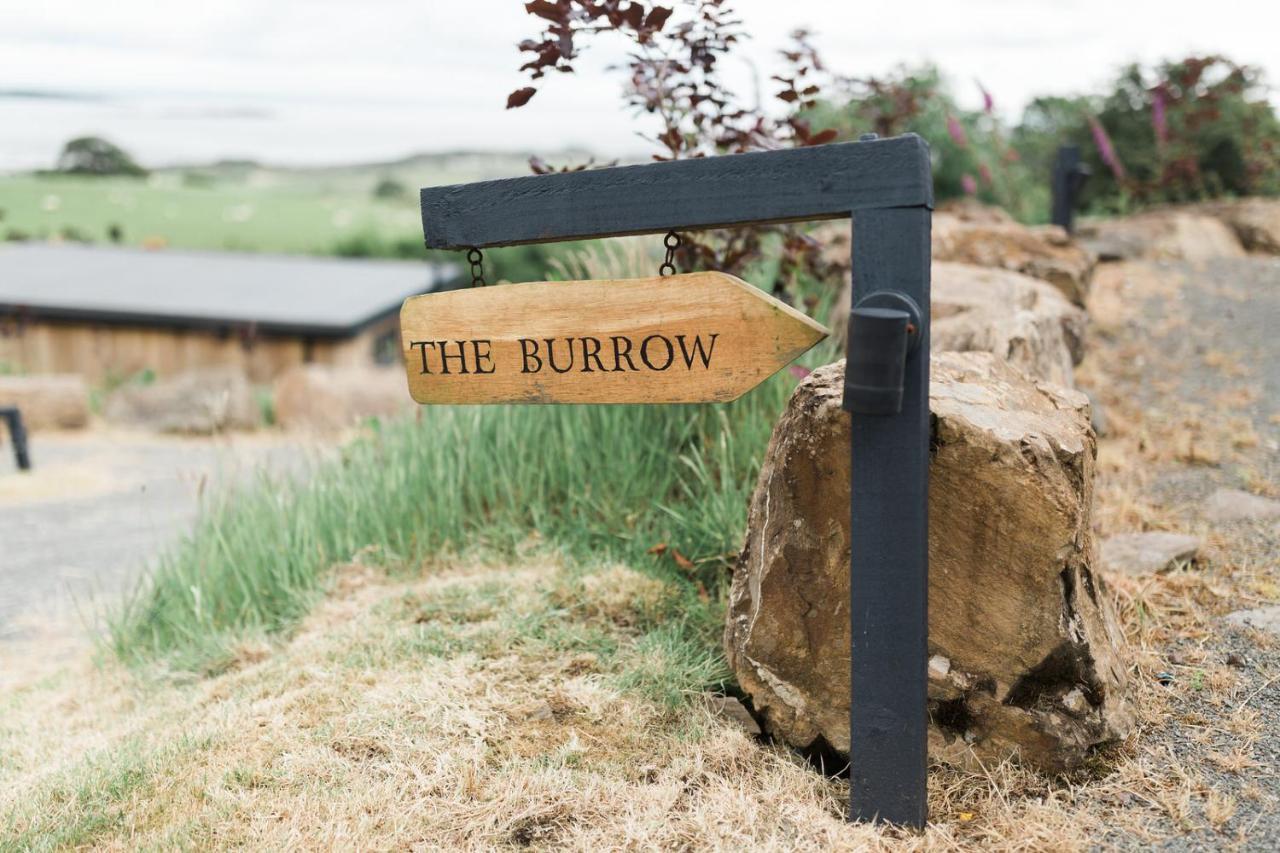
x,y
98,505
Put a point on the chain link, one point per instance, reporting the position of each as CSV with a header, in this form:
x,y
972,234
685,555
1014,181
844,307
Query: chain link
x,y
476,258
672,242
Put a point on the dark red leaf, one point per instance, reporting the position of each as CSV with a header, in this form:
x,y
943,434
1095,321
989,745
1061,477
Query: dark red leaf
x,y
543,9
520,97
823,137
657,17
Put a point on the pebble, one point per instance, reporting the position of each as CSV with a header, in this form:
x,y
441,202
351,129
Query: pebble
x,y
1262,618
731,710
1235,505
1147,553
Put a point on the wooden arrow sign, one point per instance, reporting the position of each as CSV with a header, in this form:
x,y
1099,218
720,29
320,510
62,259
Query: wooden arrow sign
x,y
689,338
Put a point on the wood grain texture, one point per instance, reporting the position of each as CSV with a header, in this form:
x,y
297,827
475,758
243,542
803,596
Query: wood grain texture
x,y
822,182
689,338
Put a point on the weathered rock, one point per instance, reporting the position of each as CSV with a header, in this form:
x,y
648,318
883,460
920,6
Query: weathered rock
x,y
1255,221
971,210
1045,253
329,398
1260,618
1235,505
1171,235
1021,319
200,401
1147,553
48,401
1018,619
732,711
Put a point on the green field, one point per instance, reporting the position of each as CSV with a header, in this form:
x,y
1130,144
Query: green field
x,y
163,210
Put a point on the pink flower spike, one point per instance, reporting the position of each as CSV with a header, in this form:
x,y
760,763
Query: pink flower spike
x,y
1159,120
956,131
1105,149
969,184
799,371
984,172
988,103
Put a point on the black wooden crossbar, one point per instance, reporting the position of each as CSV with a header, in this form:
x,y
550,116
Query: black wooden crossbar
x,y
824,182
885,186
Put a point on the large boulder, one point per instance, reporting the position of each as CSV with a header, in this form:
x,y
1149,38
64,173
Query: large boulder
x,y
1027,659
199,401
988,237
1255,221
1046,253
48,401
1023,320
1161,235
323,398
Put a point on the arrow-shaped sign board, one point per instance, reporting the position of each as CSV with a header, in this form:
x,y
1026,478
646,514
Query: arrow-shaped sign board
x,y
690,338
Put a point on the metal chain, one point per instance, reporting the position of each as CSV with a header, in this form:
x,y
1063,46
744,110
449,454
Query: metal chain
x,y
476,258
672,242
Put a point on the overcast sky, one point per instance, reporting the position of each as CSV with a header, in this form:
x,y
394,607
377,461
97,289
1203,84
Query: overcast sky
x,y
324,81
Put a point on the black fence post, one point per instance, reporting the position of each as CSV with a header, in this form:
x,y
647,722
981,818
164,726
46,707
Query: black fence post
x,y
1069,176
889,552
18,435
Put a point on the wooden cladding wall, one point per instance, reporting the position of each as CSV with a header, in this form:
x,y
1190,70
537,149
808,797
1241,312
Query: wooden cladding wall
x,y
98,352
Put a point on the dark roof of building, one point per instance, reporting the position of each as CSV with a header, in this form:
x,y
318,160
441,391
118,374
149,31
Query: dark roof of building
x,y
276,294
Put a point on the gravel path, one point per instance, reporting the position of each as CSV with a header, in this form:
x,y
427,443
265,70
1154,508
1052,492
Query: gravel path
x,y
1218,341
97,507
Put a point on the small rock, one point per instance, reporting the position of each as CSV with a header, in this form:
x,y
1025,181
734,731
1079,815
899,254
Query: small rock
x,y
1235,660
541,712
1262,618
1147,553
1177,659
730,709
1075,702
939,666
1236,505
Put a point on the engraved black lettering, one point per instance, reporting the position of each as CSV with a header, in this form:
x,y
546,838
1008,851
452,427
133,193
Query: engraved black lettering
x,y
551,355
481,358
424,345
644,352
703,354
445,356
621,352
590,350
529,349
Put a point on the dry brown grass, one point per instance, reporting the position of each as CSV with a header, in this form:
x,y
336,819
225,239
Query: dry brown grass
x,y
360,733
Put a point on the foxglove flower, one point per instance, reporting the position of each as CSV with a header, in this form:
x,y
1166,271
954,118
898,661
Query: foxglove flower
x,y
956,131
988,103
984,172
1105,149
970,185
1159,120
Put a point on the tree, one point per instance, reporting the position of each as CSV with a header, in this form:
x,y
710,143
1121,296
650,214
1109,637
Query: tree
x,y
93,155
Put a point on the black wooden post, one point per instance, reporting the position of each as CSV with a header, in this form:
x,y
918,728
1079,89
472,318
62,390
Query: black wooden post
x,y
889,552
1069,175
18,435
886,186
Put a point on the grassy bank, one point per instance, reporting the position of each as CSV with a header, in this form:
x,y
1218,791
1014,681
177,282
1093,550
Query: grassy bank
x,y
591,483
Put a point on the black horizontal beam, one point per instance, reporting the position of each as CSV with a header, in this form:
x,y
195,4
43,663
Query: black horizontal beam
x,y
822,182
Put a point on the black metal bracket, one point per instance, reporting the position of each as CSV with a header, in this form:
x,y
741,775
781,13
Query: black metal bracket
x,y
884,328
18,435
